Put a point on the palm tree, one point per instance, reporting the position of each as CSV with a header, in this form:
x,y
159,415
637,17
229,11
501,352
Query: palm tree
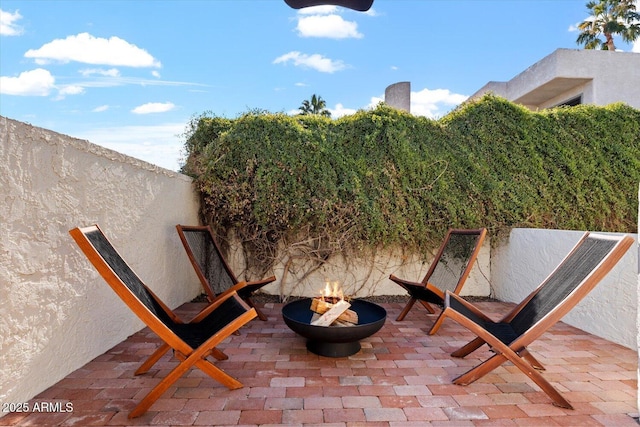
x,y
316,105
609,18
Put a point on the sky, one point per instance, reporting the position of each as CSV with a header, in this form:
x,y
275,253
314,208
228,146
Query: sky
x,y
131,75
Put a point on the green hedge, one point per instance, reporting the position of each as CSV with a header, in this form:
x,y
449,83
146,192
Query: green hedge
x,y
386,178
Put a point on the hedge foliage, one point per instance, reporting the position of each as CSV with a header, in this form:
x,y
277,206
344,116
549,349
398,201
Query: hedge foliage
x,y
386,178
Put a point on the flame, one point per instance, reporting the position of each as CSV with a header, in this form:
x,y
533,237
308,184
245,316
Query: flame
x,y
332,291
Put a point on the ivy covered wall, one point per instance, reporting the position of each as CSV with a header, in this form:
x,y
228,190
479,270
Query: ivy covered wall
x,y
383,177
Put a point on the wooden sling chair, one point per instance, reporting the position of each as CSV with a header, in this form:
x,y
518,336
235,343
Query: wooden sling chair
x,y
580,271
191,342
211,267
448,271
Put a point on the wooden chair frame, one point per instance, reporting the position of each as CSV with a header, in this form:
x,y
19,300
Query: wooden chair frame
x,y
188,356
515,349
427,292
245,291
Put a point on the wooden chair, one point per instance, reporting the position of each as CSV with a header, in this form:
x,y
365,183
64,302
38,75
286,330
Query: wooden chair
x,y
191,342
212,269
580,271
448,271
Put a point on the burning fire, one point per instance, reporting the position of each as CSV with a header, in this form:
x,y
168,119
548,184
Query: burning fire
x,y
332,292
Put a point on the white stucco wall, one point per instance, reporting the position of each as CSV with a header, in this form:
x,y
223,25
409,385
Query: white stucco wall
x,y
638,301
361,277
56,313
601,77
520,264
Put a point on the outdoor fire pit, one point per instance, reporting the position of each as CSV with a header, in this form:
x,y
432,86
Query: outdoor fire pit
x,y
334,341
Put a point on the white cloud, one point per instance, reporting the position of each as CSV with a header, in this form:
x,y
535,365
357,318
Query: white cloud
x,y
318,10
329,26
430,103
70,90
374,101
88,49
100,109
38,82
155,74
154,107
160,145
371,12
340,111
315,61
8,26
434,103
112,72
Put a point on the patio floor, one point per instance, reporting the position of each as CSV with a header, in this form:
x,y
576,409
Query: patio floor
x,y
401,377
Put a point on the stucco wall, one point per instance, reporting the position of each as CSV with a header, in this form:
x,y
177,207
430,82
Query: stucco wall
x,y
601,77
370,277
56,312
520,264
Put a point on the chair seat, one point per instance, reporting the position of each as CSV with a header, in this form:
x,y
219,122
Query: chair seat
x,y
422,293
501,330
197,333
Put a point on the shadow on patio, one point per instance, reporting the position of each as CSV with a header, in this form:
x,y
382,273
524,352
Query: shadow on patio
x,y
401,377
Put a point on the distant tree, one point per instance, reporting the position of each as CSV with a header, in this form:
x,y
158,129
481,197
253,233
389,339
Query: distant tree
x,y
609,18
316,105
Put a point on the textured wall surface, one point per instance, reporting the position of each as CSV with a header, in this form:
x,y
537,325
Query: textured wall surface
x,y
398,95
56,312
370,276
609,311
601,77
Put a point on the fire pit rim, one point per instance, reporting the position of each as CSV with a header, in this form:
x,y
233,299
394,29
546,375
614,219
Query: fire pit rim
x,y
300,323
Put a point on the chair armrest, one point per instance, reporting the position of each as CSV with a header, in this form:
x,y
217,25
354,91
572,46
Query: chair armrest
x,y
464,307
262,282
229,293
403,282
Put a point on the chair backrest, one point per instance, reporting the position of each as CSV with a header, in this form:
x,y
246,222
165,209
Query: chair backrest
x,y
204,253
122,279
578,273
455,258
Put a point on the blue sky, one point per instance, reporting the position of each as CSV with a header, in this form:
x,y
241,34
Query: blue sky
x,y
130,75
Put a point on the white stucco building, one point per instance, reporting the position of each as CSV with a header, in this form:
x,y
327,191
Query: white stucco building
x,y
572,77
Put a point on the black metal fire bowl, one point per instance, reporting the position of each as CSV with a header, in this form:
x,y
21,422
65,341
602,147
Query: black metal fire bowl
x,y
334,341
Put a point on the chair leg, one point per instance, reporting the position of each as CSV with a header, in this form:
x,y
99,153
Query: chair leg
x,y
480,370
529,357
406,309
436,325
468,348
219,354
428,306
196,358
147,364
260,314
498,359
159,389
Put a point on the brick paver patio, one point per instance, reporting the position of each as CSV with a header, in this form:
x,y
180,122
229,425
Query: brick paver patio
x,y
401,377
